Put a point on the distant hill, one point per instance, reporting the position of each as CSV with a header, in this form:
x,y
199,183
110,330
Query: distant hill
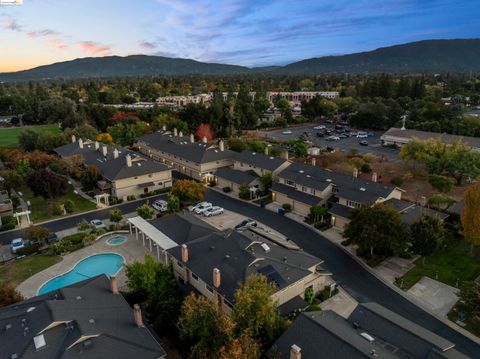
x,y
429,56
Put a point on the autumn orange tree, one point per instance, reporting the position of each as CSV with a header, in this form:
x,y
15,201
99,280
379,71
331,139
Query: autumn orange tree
x,y
470,216
8,295
105,138
188,191
204,131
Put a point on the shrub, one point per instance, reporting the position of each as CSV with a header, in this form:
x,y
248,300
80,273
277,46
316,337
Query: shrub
x,y
56,210
69,243
397,181
366,168
287,207
69,206
131,197
244,192
8,223
226,189
29,249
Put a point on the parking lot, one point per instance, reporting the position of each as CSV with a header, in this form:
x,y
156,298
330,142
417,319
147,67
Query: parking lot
x,y
344,144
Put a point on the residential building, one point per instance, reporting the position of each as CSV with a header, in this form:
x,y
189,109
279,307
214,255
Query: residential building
x,y
215,262
399,136
88,319
6,206
296,97
123,172
182,101
303,186
370,331
198,160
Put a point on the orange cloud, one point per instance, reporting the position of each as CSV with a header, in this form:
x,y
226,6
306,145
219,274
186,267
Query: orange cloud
x,y
94,48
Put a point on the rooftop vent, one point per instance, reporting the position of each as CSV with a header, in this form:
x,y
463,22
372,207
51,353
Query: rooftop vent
x,y
31,309
14,356
308,176
91,321
139,164
362,189
39,342
254,153
87,344
265,247
329,180
79,297
301,171
272,158
227,256
367,337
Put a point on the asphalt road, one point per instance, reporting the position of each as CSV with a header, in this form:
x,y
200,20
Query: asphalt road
x,y
344,144
71,222
358,282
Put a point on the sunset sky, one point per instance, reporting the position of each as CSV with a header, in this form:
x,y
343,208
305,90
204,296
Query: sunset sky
x,y
244,32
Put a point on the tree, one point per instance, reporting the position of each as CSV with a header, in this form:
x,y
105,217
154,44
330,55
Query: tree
x,y
27,139
470,216
266,181
317,212
145,211
90,178
255,311
202,329
188,191
440,183
242,347
47,184
427,235
376,228
8,295
204,131
116,215
173,203
11,179
236,145
300,149
440,201
84,226
37,234
155,283
105,138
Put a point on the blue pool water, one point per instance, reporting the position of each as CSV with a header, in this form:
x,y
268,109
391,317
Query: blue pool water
x,y
108,263
117,240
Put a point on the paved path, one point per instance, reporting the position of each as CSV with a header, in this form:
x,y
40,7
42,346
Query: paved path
x,y
355,279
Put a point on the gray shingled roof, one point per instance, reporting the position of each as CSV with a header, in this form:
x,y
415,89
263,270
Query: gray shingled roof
x,y
340,210
260,160
296,195
112,168
236,176
197,152
90,309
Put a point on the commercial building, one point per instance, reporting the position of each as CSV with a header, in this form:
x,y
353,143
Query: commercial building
x,y
198,160
123,172
88,319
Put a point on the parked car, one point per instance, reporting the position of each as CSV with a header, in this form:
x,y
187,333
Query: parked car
x,y
320,134
363,143
370,134
160,205
329,121
246,223
287,132
213,211
203,207
98,224
332,138
52,238
354,134
17,243
319,127
343,135
362,135
194,206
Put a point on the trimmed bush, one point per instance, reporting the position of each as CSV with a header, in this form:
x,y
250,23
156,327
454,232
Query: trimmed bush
x,y
69,206
69,243
29,249
287,207
226,189
397,181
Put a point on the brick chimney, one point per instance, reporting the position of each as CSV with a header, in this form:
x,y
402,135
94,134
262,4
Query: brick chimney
x,y
115,153
74,139
355,172
97,145
221,145
216,278
285,155
204,139
192,138
184,253
175,132
137,315
295,352
104,151
80,143
128,159
374,176
113,284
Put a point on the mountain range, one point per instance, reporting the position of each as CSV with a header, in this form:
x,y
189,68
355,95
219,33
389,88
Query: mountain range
x,y
428,56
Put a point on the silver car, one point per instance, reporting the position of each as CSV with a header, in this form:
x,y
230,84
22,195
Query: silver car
x,y
213,211
203,207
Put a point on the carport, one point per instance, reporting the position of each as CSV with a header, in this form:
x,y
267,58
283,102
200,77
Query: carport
x,y
152,235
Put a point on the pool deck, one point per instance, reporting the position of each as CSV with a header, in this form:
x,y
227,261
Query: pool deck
x,y
131,251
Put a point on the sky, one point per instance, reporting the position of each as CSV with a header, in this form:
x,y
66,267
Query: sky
x,y
242,32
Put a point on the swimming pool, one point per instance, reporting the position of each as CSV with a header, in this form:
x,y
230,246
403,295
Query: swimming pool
x,y
117,240
107,263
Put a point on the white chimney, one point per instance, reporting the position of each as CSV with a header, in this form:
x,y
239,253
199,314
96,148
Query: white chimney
x,y
74,139
192,138
355,172
97,145
295,352
175,132
216,278
180,134
221,145
204,139
115,153
164,128
314,161
113,284
137,315
285,155
80,143
266,150
374,176
184,253
128,158
104,151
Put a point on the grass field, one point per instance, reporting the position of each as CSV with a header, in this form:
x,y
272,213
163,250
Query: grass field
x,y
452,263
42,209
16,271
9,136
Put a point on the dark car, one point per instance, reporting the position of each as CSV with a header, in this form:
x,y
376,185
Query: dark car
x,y
245,224
363,143
343,135
320,134
371,134
52,238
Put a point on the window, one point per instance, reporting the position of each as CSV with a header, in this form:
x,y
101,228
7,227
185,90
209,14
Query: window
x,y
334,189
290,183
352,204
304,189
194,276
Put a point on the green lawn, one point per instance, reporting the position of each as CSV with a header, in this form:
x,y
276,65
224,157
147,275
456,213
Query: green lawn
x,y
473,326
451,263
16,271
9,136
42,209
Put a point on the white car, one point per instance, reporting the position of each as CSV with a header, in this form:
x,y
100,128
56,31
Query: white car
x,y
319,127
287,132
97,224
333,138
213,211
17,244
160,205
362,135
193,207
203,207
